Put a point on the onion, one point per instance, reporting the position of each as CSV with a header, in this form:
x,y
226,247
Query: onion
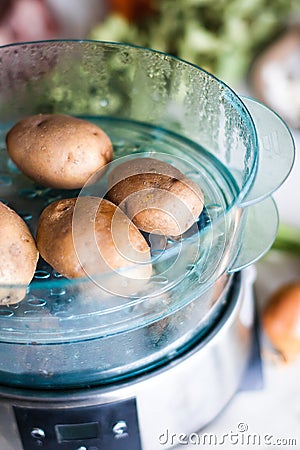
x,y
281,320
275,76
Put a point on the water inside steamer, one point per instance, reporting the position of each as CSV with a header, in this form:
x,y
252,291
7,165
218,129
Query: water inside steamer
x,y
51,296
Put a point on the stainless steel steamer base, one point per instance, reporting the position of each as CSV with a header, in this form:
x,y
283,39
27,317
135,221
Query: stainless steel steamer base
x,y
181,397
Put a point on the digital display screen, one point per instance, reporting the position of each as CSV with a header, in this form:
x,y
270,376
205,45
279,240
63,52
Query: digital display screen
x,y
77,431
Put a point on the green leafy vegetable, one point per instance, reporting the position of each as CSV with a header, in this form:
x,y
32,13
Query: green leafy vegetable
x,y
288,239
221,36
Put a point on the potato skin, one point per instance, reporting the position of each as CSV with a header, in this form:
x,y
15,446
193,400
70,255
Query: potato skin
x,y
18,256
281,320
156,196
89,236
57,150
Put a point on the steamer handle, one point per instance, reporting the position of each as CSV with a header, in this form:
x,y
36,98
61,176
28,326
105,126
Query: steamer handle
x,y
276,151
259,232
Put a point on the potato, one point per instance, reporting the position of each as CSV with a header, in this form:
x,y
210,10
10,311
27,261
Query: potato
x,y
156,196
57,150
18,256
89,236
281,320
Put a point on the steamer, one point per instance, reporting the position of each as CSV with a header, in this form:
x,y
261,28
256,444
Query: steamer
x,y
87,367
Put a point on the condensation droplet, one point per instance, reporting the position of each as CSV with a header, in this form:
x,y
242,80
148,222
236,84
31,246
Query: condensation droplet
x,y
119,144
136,148
104,102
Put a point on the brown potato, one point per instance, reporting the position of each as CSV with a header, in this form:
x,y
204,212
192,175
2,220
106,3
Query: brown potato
x,y
18,256
281,320
156,196
89,236
57,150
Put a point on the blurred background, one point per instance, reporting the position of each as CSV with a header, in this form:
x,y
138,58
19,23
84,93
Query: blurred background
x,y
250,45
221,36
254,46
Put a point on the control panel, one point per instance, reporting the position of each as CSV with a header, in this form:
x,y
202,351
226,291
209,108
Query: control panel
x,y
111,426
